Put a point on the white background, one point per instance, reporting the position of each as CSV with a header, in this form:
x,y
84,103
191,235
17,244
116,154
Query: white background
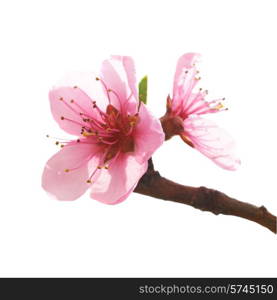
x,y
40,41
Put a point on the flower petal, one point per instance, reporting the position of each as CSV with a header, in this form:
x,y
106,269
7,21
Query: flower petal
x,y
212,141
115,184
67,112
70,185
86,81
148,135
118,75
184,79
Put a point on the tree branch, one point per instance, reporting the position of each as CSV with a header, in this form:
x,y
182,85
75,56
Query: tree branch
x,y
154,185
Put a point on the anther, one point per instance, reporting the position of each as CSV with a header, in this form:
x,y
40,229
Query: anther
x,y
47,135
97,78
71,101
57,143
62,118
219,106
66,170
89,181
61,98
106,167
75,87
99,167
78,141
62,146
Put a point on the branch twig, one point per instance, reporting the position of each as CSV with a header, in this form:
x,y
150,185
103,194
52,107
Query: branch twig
x,y
154,185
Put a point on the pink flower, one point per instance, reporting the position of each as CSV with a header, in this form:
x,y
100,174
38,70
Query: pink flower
x,y
183,116
116,135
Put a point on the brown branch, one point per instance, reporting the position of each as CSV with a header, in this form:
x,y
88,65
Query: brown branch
x,y
154,185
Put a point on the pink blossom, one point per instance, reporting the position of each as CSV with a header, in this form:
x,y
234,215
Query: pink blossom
x,y
183,116
116,135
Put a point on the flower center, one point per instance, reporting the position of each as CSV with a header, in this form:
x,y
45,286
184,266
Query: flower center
x,y
114,132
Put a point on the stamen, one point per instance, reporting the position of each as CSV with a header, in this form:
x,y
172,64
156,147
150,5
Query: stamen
x,y
117,97
189,80
102,114
73,121
105,87
92,174
81,164
219,106
82,110
79,114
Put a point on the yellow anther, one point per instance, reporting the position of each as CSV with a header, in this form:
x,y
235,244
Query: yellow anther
x,y
86,133
66,170
106,167
219,106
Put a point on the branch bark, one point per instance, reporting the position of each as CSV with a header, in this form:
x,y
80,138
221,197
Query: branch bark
x,y
154,185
